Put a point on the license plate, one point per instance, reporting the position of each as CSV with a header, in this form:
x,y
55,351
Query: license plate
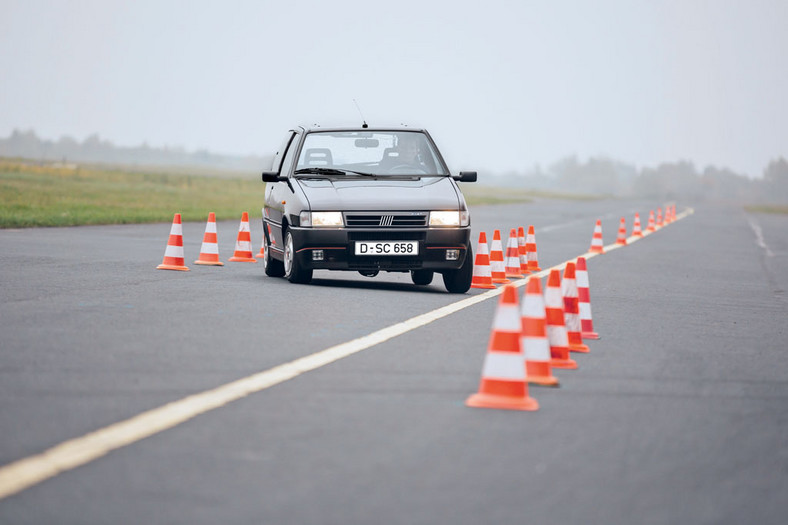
x,y
387,248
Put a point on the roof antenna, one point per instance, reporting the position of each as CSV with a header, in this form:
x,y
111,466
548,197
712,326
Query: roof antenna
x,y
362,115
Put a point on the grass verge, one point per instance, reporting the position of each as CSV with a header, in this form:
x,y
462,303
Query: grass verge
x,y
52,195
766,208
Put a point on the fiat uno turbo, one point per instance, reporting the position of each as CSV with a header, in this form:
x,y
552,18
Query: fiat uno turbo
x,y
367,200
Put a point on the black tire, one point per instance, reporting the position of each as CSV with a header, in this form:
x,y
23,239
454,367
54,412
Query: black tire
x,y
459,281
293,270
422,277
271,266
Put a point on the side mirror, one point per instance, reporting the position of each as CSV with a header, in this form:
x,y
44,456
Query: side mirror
x,y
272,176
466,176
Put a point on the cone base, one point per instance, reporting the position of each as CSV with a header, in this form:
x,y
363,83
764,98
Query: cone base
x,y
506,403
259,256
524,271
583,349
543,380
242,259
565,364
209,263
637,234
501,281
484,286
172,267
596,250
622,243
534,268
515,275
589,335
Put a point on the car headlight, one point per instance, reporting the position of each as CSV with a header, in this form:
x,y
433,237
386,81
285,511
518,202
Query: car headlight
x,y
449,218
321,219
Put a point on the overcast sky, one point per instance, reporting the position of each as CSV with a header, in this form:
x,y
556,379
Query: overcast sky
x,y
500,85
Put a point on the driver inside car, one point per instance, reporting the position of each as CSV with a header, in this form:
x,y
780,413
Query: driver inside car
x,y
406,157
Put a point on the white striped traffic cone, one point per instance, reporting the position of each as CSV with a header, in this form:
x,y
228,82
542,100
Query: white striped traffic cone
x,y
209,251
556,328
522,252
512,260
530,247
243,244
659,218
650,227
482,275
497,265
535,344
584,300
173,254
503,384
571,310
622,232
636,231
597,246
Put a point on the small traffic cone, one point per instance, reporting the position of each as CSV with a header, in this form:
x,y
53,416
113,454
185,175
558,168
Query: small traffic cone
x,y
622,232
522,252
571,310
497,267
243,244
535,345
636,231
261,253
209,251
482,276
556,329
173,254
596,241
650,226
584,300
530,247
503,384
512,262
659,218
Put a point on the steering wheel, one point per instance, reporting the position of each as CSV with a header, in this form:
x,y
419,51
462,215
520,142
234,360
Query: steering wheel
x,y
407,168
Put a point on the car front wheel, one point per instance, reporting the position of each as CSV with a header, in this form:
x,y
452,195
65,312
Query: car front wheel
x,y
294,272
459,280
271,266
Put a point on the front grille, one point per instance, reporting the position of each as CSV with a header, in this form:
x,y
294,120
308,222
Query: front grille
x,y
386,220
387,236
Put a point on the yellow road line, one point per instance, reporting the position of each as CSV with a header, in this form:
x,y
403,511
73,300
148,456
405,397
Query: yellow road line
x,y
24,473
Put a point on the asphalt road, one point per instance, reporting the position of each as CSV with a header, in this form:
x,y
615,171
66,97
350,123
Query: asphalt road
x,y
678,414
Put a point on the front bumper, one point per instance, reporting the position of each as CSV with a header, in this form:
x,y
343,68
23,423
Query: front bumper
x,y
338,247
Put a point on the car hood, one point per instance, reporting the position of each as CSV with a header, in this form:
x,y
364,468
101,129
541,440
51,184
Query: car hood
x,y
426,193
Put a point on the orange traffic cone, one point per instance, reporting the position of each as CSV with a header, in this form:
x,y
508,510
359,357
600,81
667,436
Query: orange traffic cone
x,y
584,301
650,226
512,262
659,218
173,254
622,232
503,383
556,329
636,231
571,310
497,267
522,252
482,276
243,244
530,247
596,241
261,253
209,251
536,347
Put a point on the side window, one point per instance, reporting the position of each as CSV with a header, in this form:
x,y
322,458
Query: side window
x,y
287,163
280,153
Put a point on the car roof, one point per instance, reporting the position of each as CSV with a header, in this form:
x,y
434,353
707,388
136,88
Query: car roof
x,y
317,127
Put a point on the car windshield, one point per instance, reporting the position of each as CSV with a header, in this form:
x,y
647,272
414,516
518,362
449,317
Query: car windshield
x,y
375,153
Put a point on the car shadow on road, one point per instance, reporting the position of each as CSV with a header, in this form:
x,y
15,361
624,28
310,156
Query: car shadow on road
x,y
372,284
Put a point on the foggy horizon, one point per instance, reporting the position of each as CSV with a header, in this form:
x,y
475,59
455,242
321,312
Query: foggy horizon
x,y
501,87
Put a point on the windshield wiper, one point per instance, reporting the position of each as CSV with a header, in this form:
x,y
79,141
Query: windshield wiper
x,y
316,170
